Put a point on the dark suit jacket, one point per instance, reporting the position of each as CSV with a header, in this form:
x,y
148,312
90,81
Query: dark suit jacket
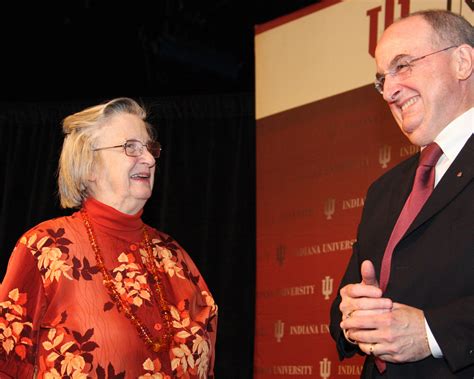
x,y
432,266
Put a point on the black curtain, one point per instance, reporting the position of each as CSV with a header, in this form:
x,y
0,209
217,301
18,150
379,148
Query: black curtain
x,y
204,195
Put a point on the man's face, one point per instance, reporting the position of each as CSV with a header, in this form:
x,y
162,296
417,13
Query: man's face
x,y
427,97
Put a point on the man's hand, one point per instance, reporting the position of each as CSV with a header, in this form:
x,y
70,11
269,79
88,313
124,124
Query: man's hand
x,y
392,331
363,298
397,336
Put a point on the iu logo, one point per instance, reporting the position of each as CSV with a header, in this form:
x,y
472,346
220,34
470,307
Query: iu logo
x,y
329,208
385,155
325,368
389,17
279,330
280,254
327,287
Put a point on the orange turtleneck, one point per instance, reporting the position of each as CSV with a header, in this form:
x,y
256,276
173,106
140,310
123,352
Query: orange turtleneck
x,y
110,221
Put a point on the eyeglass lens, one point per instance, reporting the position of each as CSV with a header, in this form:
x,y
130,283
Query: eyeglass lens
x,y
135,148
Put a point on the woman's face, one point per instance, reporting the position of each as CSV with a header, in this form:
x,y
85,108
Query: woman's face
x,y
122,182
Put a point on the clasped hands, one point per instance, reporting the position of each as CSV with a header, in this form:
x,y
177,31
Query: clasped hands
x,y
392,331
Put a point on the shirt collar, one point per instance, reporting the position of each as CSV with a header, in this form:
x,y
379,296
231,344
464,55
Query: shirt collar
x,y
455,135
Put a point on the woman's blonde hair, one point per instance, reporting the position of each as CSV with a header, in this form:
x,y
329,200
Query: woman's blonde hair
x,y
77,158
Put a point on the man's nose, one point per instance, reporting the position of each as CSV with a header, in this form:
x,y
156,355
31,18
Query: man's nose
x,y
391,89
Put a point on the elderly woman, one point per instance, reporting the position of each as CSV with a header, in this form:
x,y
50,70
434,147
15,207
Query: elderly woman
x,y
99,294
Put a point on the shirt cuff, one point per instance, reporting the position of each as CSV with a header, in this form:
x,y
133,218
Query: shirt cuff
x,y
434,347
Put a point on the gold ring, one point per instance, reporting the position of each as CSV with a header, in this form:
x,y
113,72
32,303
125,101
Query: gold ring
x,y
348,338
371,348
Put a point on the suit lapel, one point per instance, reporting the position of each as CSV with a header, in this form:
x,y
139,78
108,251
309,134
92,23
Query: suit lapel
x,y
399,194
450,185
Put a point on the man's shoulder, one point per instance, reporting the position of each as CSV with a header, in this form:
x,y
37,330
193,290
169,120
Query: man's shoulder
x,y
395,174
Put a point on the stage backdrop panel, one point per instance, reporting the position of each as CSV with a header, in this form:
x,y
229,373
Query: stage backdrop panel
x,y
323,135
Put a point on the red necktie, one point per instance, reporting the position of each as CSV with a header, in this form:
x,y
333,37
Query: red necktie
x,y
421,191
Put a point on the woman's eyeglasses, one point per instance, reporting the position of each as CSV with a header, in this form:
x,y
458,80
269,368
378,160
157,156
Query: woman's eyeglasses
x,y
134,148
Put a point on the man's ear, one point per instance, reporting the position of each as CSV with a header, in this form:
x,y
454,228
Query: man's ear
x,y
464,60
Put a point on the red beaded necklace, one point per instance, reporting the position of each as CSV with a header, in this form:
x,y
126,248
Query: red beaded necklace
x,y
154,343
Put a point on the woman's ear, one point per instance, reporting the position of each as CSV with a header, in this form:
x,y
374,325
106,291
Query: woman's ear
x,y
92,174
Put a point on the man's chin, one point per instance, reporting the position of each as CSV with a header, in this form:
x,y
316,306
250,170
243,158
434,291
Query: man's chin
x,y
418,138
411,128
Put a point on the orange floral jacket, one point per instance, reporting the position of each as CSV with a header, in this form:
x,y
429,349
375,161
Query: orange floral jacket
x,y
58,320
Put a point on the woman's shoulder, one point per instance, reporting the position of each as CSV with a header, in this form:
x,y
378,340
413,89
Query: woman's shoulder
x,y
164,240
54,225
161,237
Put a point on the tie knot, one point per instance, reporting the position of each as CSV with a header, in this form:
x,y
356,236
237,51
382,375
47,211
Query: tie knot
x,y
430,155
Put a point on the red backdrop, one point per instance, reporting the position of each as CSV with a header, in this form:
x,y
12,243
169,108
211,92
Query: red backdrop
x,y
314,165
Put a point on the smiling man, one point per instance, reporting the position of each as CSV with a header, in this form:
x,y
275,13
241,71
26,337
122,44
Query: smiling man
x,y
406,300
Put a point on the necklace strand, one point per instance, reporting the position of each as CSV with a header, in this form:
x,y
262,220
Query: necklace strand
x,y
155,344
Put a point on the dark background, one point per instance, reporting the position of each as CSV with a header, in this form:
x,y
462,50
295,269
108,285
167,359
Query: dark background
x,y
82,49
192,64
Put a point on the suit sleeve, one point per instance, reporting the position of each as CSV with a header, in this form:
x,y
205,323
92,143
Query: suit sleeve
x,y
22,302
452,322
453,328
352,275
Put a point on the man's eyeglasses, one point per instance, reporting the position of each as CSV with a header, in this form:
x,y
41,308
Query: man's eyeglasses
x,y
401,69
134,148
